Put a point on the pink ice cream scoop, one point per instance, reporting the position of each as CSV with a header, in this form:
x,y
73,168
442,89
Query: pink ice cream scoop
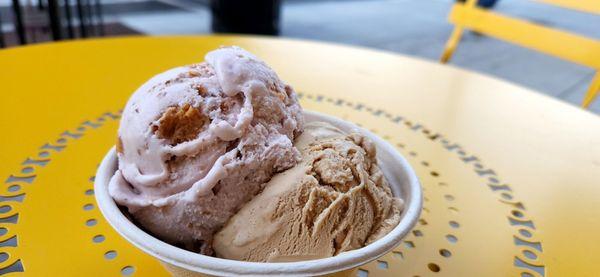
x,y
197,142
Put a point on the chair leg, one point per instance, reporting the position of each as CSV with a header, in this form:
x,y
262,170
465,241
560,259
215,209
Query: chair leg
x,y
452,44
70,30
81,16
55,24
100,15
2,43
592,91
89,18
18,19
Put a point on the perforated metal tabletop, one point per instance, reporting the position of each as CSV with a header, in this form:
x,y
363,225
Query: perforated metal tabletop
x,y
511,178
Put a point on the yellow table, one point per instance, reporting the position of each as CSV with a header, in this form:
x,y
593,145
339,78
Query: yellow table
x,y
511,177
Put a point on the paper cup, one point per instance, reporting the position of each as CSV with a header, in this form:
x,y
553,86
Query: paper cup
x,y
180,262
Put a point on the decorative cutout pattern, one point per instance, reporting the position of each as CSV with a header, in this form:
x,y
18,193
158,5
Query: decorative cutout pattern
x,y
16,185
527,259
109,255
523,228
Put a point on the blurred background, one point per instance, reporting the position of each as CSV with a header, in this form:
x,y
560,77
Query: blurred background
x,y
418,28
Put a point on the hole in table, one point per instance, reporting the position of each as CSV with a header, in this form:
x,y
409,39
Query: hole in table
x,y
3,257
518,262
453,224
89,192
526,274
525,233
5,209
417,233
11,242
453,209
27,169
424,163
409,244
398,254
382,264
412,153
445,253
527,223
362,273
422,221
451,238
529,254
110,254
44,154
449,197
98,238
434,174
516,213
91,222
127,270
3,231
88,206
14,188
433,267
506,196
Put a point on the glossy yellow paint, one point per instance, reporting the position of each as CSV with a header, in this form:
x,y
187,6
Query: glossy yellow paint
x,y
562,44
589,6
487,152
451,44
593,90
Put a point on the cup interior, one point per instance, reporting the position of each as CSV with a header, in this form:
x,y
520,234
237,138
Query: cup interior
x,y
400,175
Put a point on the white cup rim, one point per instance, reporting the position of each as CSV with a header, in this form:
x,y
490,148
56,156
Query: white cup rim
x,y
217,266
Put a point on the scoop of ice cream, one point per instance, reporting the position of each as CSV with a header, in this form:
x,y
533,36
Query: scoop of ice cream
x,y
336,199
197,142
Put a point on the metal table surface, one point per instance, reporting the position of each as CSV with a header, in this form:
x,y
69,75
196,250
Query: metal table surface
x,y
510,177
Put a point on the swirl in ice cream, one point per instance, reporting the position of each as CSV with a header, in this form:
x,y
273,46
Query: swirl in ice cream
x,y
336,199
197,142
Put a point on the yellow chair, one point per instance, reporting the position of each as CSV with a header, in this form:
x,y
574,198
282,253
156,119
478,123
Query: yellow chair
x,y
562,44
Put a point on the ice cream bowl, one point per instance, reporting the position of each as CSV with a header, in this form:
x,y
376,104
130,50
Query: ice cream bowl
x,y
180,262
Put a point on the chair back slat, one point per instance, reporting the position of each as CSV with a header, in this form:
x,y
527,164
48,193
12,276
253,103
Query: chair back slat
x,y
562,44
588,6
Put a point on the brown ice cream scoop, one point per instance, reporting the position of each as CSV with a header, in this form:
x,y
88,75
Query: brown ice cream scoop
x,y
335,200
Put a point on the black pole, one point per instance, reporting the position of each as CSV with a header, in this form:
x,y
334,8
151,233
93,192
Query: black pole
x,y
54,19
40,4
247,17
70,30
82,30
99,12
19,21
2,43
89,16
